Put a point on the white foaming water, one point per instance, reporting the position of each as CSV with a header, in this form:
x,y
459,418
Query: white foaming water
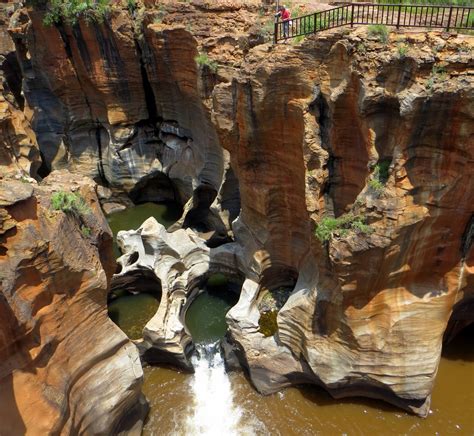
x,y
214,411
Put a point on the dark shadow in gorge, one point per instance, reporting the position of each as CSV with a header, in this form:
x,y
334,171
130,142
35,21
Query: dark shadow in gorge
x,y
461,347
13,77
203,220
155,187
138,281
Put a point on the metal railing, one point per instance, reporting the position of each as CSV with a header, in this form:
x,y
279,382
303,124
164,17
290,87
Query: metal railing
x,y
398,15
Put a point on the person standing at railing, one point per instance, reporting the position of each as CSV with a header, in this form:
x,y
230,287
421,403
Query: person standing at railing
x,y
284,14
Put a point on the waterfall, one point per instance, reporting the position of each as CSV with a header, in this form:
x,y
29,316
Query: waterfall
x,y
214,411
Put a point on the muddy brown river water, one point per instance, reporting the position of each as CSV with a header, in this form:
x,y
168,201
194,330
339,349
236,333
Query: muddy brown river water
x,y
310,410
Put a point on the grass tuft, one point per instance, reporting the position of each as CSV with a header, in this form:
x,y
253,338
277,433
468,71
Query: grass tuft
x,y
69,202
379,31
203,61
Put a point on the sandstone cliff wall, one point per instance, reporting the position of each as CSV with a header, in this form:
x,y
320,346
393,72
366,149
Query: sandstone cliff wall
x,y
65,368
286,135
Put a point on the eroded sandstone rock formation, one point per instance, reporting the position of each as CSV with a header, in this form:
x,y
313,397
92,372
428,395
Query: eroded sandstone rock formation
x,y
180,262
311,125
262,150
65,368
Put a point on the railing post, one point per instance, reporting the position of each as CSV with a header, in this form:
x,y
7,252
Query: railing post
x,y
314,18
275,32
449,18
352,15
399,14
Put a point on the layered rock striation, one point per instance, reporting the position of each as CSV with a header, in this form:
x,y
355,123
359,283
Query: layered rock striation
x,y
357,319
340,166
65,368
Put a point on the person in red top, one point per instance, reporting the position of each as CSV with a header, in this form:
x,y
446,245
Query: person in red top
x,y
285,15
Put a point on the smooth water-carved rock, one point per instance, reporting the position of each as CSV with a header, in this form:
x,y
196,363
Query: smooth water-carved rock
x,y
123,110
369,308
180,261
64,366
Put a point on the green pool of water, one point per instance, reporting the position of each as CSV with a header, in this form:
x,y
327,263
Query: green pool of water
x,y
133,217
132,312
205,318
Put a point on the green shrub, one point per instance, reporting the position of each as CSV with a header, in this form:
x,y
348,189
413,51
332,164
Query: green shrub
x,y
161,14
86,231
131,6
361,48
330,227
439,73
381,170
297,39
69,202
380,31
429,83
69,11
380,175
203,60
376,185
268,323
267,29
402,50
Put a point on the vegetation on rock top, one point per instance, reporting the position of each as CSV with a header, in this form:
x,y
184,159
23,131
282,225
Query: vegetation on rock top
x,y
69,202
70,11
74,204
380,31
380,176
330,227
203,60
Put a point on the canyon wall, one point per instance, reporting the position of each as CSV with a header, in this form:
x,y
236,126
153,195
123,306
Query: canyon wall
x,y
65,367
370,306
265,145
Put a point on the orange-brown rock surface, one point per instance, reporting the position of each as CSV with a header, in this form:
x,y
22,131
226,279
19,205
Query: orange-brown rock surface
x,y
310,125
283,136
65,368
19,153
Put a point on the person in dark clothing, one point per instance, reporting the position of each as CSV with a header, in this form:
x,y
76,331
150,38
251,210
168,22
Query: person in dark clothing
x,y
284,14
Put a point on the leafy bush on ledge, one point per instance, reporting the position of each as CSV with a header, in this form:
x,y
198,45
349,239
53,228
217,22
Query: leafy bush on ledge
x,y
380,176
69,202
202,60
330,227
69,11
